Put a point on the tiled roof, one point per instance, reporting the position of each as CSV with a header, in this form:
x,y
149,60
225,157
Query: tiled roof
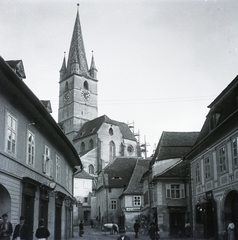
x,y
92,127
174,145
222,117
119,172
180,169
77,52
135,186
82,174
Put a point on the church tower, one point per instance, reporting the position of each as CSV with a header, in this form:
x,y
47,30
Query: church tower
x,y
78,97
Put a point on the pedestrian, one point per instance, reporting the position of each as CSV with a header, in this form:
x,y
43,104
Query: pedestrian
x,y
5,228
21,230
136,228
91,223
42,232
123,235
153,232
231,230
81,231
187,229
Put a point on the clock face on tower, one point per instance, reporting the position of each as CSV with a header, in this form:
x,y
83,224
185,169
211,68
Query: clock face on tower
x,y
85,94
66,96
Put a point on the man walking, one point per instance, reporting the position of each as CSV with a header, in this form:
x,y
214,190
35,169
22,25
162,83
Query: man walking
x,y
136,228
21,230
5,228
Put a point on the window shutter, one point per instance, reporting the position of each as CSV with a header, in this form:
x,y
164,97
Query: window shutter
x,y
168,190
51,167
44,164
182,194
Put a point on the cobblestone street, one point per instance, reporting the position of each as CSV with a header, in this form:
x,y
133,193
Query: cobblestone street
x,y
97,234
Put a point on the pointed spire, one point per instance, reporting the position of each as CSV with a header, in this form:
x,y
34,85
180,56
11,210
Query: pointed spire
x,y
93,70
63,69
77,51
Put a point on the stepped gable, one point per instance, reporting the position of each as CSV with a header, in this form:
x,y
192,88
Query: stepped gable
x,y
92,127
135,186
174,145
120,171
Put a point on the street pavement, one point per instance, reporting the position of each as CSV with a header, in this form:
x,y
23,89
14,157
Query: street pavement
x,y
97,234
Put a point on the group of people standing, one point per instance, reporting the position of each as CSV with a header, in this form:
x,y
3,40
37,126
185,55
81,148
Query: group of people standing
x,y
21,231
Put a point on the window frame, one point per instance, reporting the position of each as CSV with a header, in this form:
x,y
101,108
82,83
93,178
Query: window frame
x,y
47,162
137,201
207,167
197,173
222,159
113,204
32,145
12,131
58,168
169,190
235,151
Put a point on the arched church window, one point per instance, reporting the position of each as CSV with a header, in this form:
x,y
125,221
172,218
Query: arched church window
x,y
91,169
110,131
82,147
112,150
91,144
85,85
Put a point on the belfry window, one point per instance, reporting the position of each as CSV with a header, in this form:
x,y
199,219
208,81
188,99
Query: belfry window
x,y
85,85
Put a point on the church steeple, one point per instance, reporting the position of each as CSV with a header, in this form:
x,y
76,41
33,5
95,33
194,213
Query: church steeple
x,y
77,55
63,69
93,70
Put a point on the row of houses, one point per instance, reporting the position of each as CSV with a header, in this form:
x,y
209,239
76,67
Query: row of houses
x,y
37,161
191,178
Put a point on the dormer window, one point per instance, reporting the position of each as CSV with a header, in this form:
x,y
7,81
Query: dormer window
x,y
214,120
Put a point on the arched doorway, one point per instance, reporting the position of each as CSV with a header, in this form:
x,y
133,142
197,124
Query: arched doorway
x,y
231,210
5,201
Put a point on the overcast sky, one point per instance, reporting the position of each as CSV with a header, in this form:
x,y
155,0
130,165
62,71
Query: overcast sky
x,y
160,62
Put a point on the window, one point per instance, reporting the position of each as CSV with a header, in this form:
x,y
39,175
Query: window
x,y
130,149
175,191
47,162
222,159
58,169
114,204
30,148
11,134
85,85
234,151
207,166
197,172
82,147
137,200
91,169
111,150
67,176
110,131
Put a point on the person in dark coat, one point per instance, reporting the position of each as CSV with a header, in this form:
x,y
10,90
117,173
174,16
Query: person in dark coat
x,y
21,231
136,228
5,228
42,232
81,229
123,235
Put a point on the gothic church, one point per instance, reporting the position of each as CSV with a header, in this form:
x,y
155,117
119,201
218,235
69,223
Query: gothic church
x,y
97,139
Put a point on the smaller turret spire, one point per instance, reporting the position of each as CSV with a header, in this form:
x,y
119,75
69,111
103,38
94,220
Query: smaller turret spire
x,y
93,70
63,69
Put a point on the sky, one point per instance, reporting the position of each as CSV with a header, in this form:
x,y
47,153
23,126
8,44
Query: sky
x,y
160,62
